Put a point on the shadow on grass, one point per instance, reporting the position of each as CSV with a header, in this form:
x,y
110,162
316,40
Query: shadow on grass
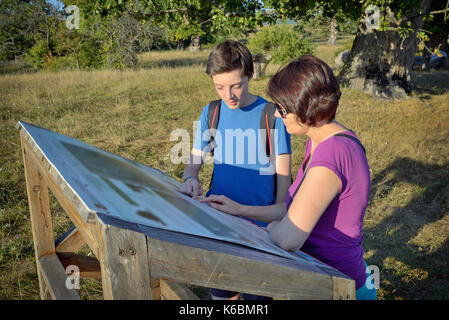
x,y
411,269
173,63
429,83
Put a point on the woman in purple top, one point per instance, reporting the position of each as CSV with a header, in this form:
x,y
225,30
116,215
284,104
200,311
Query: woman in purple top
x,y
324,209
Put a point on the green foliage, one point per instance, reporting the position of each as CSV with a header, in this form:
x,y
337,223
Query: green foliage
x,y
349,9
280,41
183,19
105,41
37,55
16,30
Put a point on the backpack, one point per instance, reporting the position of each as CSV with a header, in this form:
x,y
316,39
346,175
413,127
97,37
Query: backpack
x,y
267,122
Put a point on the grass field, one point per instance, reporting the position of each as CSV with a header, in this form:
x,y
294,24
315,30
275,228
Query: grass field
x,y
132,112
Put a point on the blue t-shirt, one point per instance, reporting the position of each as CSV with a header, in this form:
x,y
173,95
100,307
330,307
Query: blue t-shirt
x,y
242,170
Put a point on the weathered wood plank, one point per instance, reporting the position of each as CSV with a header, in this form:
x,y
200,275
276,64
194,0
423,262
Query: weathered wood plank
x,y
123,256
225,271
191,259
55,277
71,241
40,216
156,290
89,267
222,246
343,289
172,290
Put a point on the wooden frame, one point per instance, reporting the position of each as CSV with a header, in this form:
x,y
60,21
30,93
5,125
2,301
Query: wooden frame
x,y
139,262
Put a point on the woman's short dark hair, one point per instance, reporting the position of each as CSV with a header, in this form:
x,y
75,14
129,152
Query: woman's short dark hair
x,y
230,55
307,87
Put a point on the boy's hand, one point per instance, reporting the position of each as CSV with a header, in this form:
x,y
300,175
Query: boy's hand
x,y
192,187
224,204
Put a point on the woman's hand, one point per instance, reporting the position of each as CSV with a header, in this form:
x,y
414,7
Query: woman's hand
x,y
224,204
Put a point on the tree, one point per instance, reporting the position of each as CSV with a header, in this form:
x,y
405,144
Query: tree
x,y
277,43
381,57
333,32
24,24
185,20
110,35
436,28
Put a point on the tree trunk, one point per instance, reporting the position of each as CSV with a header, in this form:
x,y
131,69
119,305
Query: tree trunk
x,y
333,33
260,62
380,63
195,43
180,45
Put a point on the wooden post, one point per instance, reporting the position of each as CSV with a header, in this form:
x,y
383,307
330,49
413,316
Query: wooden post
x,y
41,225
42,230
172,290
123,256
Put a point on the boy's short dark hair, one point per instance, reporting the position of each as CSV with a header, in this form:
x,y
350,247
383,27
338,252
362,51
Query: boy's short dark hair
x,y
308,88
228,56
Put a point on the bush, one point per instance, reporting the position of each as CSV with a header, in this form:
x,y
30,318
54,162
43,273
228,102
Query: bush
x,y
37,55
281,42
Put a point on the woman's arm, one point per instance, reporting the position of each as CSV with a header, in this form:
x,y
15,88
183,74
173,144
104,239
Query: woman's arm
x,y
319,188
260,213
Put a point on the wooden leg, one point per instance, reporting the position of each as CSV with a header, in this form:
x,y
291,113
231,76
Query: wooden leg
x,y
123,257
41,225
172,290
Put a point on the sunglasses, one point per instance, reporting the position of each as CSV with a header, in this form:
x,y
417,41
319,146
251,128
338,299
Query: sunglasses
x,y
282,111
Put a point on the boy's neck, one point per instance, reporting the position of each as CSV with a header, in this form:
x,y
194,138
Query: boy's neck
x,y
250,99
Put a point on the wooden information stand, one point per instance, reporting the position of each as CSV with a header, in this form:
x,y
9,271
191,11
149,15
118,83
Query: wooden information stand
x,y
138,262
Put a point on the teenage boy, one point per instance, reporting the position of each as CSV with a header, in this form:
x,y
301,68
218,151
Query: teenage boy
x,y
241,164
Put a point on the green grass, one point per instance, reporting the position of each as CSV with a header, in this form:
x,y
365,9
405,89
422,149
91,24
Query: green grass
x,y
132,112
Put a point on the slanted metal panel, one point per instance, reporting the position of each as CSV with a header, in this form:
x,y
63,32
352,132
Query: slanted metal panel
x,y
133,193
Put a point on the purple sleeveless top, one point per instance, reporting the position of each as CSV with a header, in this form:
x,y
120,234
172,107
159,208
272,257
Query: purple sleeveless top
x,y
337,237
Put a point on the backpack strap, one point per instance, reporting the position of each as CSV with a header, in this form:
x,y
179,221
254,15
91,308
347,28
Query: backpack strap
x,y
353,139
267,125
213,116
268,122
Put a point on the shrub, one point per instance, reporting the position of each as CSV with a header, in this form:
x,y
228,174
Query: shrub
x,y
37,55
280,41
